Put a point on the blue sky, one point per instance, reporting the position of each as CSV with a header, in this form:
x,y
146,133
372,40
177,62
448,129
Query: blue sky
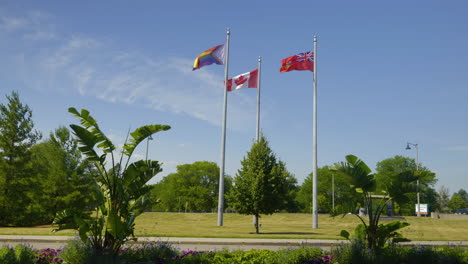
x,y
389,72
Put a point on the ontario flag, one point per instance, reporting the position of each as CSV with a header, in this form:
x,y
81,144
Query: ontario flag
x,y
299,62
246,80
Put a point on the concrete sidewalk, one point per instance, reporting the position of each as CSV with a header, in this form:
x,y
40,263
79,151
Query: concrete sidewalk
x,y
4,239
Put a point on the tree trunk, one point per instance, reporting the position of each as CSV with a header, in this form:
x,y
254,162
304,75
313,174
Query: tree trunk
x,y
257,224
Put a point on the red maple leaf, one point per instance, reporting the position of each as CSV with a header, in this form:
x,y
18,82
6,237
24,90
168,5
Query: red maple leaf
x,y
240,80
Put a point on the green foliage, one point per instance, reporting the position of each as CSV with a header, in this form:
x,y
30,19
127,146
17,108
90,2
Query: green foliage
x,y
77,252
357,252
194,187
385,233
119,188
301,254
65,180
345,196
457,202
463,194
17,136
398,176
443,199
194,257
7,255
24,254
159,252
262,185
251,256
373,234
354,252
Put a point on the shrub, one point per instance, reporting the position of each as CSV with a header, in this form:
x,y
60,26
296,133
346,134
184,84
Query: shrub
x,y
302,254
421,254
77,252
24,254
7,256
196,257
155,252
239,256
452,254
354,252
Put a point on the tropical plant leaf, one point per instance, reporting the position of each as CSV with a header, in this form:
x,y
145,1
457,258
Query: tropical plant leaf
x,y
358,163
138,174
344,234
86,141
141,134
64,220
91,125
115,226
118,190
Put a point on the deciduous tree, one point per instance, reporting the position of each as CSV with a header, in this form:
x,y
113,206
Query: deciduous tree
x,y
194,187
457,202
345,196
389,172
443,199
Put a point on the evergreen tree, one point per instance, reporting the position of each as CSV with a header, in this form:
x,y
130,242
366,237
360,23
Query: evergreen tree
x,y
262,185
61,176
17,136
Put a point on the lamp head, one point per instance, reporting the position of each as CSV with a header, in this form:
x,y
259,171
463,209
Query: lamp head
x,y
407,146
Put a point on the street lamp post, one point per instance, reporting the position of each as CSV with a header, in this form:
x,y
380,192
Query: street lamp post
x,y
147,145
417,169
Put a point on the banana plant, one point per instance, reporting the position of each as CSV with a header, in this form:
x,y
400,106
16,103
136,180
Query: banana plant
x,y
119,187
361,178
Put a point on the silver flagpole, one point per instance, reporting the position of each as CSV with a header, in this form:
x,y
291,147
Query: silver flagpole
x,y
258,96
314,155
223,136
255,220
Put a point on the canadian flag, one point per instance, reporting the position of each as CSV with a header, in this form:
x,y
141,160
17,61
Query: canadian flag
x,y
246,80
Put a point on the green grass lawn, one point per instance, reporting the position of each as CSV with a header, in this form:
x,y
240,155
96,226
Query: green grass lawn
x,y
273,226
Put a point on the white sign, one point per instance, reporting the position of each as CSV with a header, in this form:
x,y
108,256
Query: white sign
x,y
423,209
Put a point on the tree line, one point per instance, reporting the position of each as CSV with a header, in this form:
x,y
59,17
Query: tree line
x,y
41,176
37,178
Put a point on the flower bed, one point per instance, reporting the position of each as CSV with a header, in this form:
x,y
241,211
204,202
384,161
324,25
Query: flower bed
x,y
77,252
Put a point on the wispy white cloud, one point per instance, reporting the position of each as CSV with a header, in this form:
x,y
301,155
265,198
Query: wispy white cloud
x,y
8,23
98,68
457,148
32,26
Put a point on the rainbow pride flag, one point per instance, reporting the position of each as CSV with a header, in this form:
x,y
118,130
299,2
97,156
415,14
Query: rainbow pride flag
x,y
213,55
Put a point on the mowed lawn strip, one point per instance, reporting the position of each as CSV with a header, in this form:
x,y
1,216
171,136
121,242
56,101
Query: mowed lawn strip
x,y
280,226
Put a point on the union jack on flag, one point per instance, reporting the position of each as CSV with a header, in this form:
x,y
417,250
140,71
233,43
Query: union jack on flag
x,y
299,62
309,55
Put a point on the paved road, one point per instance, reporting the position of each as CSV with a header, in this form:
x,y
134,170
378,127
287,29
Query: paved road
x,y
205,244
